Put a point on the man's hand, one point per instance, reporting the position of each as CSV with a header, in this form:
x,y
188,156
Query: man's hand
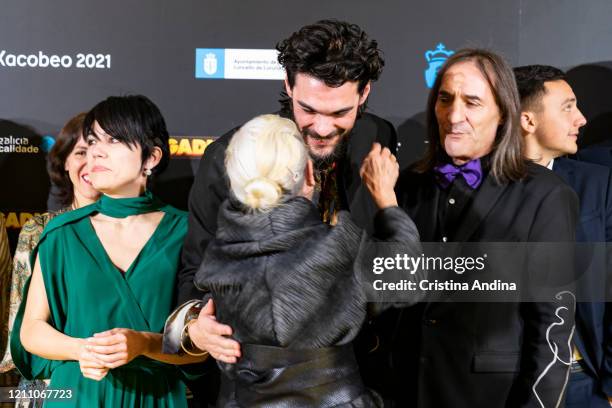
x,y
209,335
379,173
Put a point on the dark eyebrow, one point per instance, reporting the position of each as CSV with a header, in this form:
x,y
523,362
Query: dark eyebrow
x,y
338,112
473,98
568,100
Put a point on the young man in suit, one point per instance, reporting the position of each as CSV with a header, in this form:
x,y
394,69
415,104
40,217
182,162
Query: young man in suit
x,y
550,121
473,185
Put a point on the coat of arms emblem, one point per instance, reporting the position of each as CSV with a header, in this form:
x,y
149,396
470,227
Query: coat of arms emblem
x,y
436,59
210,63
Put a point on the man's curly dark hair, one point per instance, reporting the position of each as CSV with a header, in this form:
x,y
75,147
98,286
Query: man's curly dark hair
x,y
334,52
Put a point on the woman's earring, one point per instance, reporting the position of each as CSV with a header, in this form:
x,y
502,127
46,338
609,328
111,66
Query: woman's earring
x,y
147,172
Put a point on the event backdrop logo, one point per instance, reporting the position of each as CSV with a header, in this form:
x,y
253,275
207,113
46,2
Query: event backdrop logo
x,y
211,66
44,59
16,144
47,143
210,63
435,59
189,146
236,63
16,219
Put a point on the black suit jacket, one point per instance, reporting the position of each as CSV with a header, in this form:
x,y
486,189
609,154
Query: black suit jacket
x,y
593,184
474,355
211,188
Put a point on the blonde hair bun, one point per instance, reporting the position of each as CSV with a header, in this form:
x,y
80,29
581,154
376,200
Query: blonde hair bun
x,y
265,162
261,192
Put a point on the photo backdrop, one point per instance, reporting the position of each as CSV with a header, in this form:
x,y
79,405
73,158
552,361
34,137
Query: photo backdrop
x,y
62,57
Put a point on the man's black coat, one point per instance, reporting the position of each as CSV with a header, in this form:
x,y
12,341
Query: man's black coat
x,y
451,354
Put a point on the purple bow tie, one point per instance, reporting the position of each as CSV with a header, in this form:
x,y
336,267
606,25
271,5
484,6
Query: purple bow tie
x,y
471,172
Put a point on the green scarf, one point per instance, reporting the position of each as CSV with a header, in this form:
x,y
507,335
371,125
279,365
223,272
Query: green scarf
x,y
124,207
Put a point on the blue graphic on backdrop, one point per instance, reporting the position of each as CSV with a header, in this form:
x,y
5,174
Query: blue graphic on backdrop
x,y
210,63
435,59
47,143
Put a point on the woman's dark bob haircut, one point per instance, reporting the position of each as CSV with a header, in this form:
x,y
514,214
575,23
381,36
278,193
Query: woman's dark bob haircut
x,y
133,120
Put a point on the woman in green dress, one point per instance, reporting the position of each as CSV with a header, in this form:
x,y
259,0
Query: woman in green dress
x,y
67,167
104,275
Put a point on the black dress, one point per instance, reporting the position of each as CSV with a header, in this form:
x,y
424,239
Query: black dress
x,y
285,283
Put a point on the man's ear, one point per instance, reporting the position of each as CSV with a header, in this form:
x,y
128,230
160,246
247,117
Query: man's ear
x,y
364,95
528,122
288,88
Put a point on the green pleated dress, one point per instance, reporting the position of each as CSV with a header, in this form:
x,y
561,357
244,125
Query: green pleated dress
x,y
88,294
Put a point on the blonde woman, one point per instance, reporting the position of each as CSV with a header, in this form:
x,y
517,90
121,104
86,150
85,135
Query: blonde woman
x,y
283,280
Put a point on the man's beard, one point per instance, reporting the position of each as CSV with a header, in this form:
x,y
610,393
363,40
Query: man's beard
x,y
321,162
